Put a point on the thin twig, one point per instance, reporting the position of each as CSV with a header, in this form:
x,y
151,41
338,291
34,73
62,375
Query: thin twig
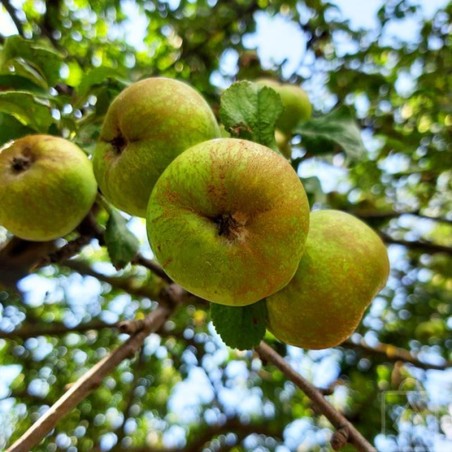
x,y
419,245
52,329
153,266
393,353
267,354
88,382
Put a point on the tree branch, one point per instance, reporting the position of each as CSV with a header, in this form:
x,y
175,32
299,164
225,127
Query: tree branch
x,y
52,329
152,266
267,354
393,353
14,17
426,247
90,381
385,215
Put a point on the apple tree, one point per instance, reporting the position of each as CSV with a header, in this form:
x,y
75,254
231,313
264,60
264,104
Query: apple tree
x,y
101,349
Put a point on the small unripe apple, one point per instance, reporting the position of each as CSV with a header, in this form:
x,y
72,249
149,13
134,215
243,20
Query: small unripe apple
x,y
47,187
228,220
297,107
344,266
147,125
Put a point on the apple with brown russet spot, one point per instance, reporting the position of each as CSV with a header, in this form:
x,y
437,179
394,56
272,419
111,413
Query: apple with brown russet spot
x,y
344,266
47,187
228,221
147,125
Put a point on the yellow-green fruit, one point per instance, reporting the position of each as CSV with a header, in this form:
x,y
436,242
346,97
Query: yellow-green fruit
x,y
297,107
47,187
283,143
345,264
149,124
228,221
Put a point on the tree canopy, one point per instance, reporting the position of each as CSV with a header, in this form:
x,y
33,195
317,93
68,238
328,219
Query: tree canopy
x,y
92,316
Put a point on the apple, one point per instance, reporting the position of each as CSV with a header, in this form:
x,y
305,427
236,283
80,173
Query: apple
x,y
297,107
344,266
147,125
228,220
48,186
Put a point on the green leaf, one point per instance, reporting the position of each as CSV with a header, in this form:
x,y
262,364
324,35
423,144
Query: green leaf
x,y
30,110
13,82
31,60
240,327
122,245
338,128
313,189
98,76
250,111
11,128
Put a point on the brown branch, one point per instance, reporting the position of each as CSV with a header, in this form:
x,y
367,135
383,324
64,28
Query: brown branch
x,y
388,215
235,425
422,246
127,284
52,329
90,381
267,354
14,17
152,266
393,353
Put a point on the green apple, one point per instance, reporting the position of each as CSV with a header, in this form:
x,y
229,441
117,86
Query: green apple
x,y
47,187
297,107
228,220
147,125
344,266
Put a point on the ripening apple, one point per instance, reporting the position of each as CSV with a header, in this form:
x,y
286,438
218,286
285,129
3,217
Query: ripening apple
x,y
47,187
147,125
228,220
297,107
344,266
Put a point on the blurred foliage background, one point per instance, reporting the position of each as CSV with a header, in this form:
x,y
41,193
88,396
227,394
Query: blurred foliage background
x,y
59,71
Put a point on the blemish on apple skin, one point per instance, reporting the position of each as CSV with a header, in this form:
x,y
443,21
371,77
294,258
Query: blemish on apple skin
x,y
23,162
118,143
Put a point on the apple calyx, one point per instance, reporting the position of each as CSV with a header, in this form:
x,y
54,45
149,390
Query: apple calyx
x,y
118,143
229,226
20,164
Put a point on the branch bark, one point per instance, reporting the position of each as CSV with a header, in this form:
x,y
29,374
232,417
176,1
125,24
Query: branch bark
x,y
425,247
267,354
393,353
90,381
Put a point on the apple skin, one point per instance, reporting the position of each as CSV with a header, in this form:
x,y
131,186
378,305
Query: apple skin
x,y
228,221
297,107
344,266
48,186
146,126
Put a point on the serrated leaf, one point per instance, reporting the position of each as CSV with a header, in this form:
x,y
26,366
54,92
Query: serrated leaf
x,y
240,327
122,245
98,76
27,108
338,128
250,111
31,60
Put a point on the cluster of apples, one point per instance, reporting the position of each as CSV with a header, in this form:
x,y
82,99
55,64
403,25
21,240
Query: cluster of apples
x,y
228,219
